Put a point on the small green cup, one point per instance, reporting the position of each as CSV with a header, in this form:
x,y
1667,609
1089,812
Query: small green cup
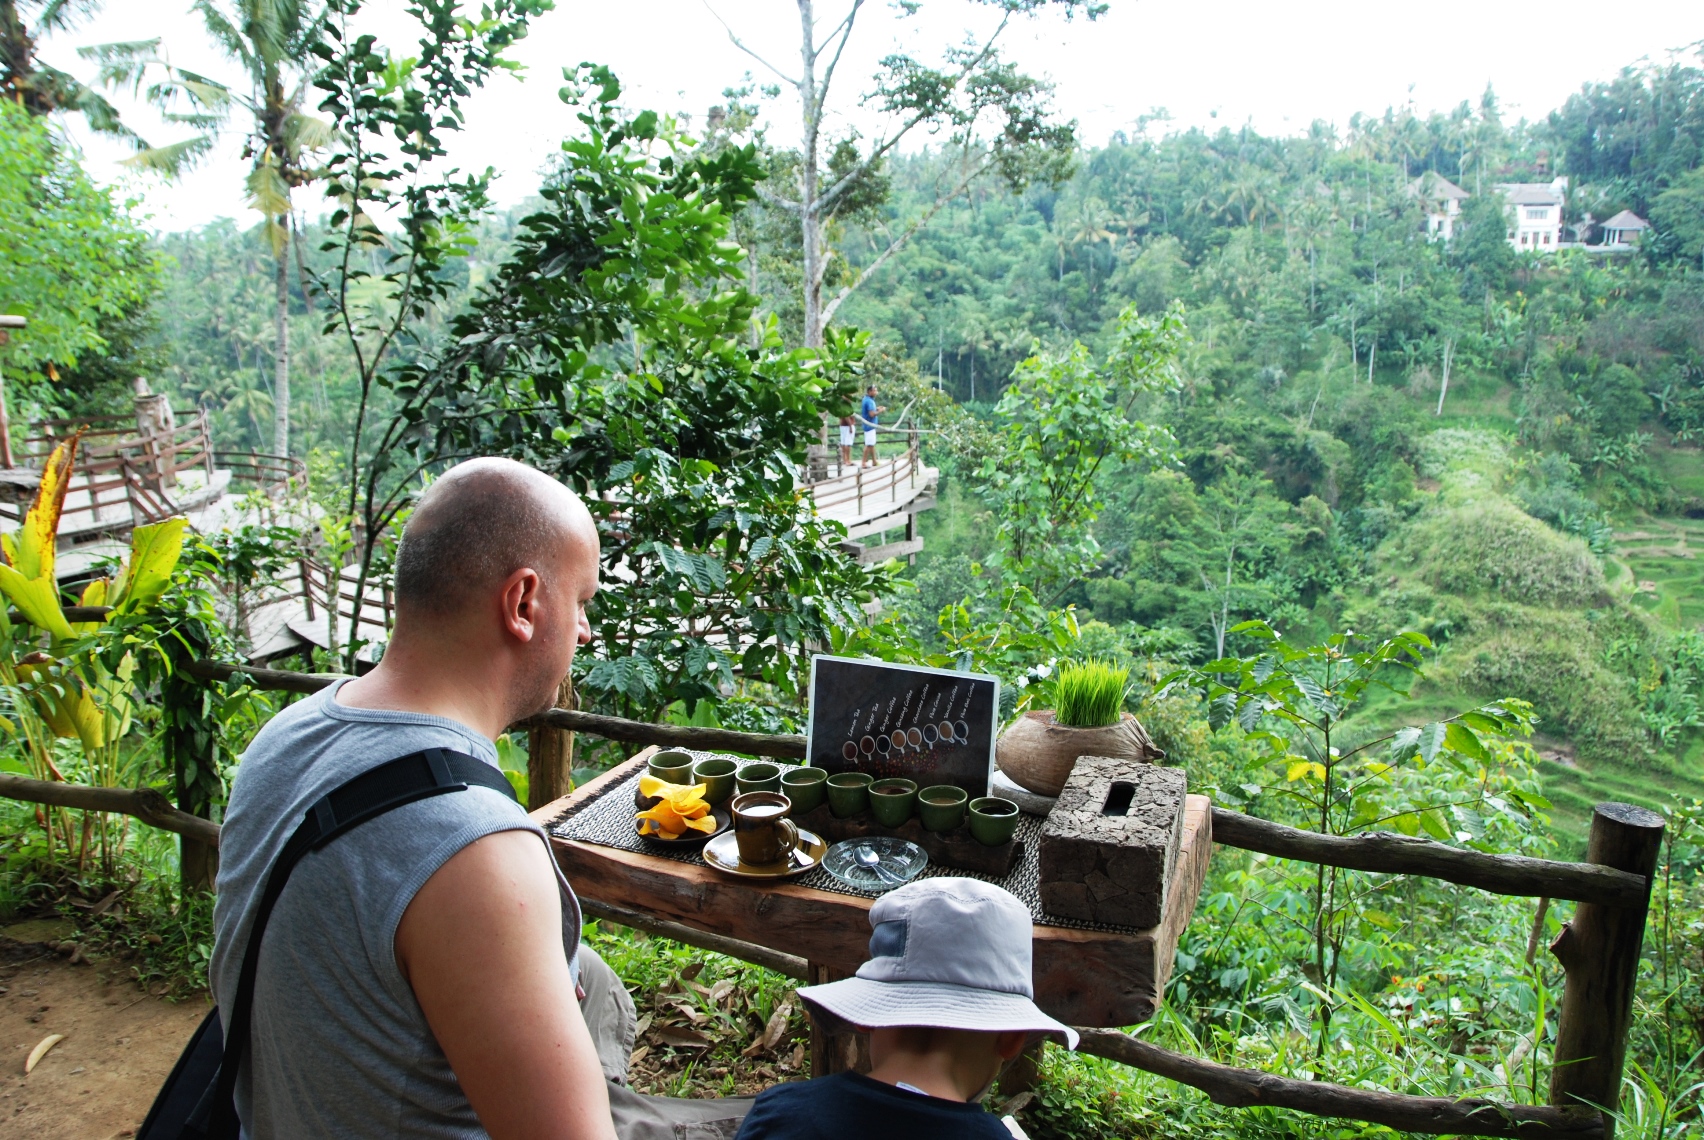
x,y
993,821
941,808
717,776
848,793
806,787
672,765
763,777
893,800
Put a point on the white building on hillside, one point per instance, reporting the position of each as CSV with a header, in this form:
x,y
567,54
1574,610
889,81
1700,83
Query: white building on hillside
x,y
1441,200
1623,230
1537,223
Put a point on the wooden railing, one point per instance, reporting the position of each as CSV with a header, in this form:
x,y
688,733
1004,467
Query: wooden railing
x,y
867,486
123,476
1598,949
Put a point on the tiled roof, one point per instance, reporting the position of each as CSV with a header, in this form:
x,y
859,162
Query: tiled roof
x,y
1626,220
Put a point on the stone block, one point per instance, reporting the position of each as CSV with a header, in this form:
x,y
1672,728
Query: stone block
x,y
1110,843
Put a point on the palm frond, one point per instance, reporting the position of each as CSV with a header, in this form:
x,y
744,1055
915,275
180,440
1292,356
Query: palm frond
x,y
304,134
174,158
268,192
228,35
62,15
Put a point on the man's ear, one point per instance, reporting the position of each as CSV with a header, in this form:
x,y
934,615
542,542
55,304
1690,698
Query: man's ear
x,y
1010,1043
520,603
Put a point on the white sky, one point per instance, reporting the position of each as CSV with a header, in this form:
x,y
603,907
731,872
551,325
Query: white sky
x,y
1208,62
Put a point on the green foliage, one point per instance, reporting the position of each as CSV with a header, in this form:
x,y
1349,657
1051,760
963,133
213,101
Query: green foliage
x,y
1065,418
1492,548
71,259
1089,694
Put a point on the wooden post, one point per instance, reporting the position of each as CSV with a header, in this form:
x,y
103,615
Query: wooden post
x,y
835,1052
550,756
1599,950
6,323
860,485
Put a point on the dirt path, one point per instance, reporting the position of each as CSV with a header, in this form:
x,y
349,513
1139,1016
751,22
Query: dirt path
x,y
119,1045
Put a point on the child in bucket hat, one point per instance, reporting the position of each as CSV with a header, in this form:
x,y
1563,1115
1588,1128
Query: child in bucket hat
x,y
946,997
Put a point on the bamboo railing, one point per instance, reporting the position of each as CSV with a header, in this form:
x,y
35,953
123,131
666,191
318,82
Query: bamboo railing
x,y
1598,949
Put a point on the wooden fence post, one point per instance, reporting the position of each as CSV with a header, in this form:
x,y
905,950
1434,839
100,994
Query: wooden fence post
x,y
840,1050
550,756
1599,952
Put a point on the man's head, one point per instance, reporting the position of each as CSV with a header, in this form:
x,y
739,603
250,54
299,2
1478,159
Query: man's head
x,y
870,391
496,567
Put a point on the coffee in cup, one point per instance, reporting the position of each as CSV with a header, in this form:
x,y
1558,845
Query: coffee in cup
x,y
761,828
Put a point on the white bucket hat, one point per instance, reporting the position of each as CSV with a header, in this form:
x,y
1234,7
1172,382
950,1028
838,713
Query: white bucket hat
x,y
947,953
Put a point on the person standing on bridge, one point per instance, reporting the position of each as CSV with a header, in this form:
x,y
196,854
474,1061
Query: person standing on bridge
x,y
868,414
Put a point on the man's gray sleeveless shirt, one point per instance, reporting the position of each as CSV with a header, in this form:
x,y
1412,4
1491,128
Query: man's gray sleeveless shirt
x,y
340,1047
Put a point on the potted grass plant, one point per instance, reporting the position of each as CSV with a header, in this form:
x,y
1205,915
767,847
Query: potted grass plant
x,y
1040,748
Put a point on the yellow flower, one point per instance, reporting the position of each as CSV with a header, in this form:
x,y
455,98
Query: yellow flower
x,y
681,806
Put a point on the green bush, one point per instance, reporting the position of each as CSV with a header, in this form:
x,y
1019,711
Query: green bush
x,y
1556,661
1492,547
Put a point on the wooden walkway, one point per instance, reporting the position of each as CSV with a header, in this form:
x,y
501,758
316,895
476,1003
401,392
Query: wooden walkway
x,y
869,501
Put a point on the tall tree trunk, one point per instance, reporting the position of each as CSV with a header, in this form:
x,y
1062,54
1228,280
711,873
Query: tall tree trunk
x,y
281,354
809,208
1444,388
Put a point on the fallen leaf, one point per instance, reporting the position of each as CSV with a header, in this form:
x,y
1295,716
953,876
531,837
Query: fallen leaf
x,y
644,1024
691,1012
106,904
41,1050
639,1054
798,1058
692,971
682,1038
777,1027
705,990
720,990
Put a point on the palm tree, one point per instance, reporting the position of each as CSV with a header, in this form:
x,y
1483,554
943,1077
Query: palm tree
x,y
272,41
43,89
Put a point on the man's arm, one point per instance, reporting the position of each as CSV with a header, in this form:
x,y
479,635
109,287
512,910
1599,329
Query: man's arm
x,y
481,944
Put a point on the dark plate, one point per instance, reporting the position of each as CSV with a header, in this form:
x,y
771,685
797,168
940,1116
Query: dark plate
x,y
694,838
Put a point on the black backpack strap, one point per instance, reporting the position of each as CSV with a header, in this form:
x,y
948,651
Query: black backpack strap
x,y
417,776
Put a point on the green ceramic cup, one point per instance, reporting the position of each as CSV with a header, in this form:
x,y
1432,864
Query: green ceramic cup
x,y
893,800
993,821
672,765
848,793
763,777
941,808
806,787
717,776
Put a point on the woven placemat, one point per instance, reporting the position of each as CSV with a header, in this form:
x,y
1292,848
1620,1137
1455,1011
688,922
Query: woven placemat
x,y
607,820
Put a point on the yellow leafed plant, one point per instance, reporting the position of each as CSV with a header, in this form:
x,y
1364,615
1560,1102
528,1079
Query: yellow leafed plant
x,y
70,690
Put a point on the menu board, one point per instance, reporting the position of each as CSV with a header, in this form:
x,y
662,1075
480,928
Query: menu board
x,y
935,726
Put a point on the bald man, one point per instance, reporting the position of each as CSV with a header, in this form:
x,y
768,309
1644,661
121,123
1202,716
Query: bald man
x,y
422,976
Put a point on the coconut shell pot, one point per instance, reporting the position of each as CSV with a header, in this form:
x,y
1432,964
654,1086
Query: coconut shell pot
x,y
1039,753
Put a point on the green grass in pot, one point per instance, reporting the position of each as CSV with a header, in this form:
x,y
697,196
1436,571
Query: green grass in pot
x,y
1089,694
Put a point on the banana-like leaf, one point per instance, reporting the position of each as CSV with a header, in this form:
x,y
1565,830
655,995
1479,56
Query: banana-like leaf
x,y
31,551
154,553
87,722
94,594
38,600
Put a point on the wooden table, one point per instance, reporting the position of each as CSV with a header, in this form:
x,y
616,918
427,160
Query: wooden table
x,y
1082,977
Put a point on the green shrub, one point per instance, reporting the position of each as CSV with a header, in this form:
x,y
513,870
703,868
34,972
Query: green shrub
x,y
1090,694
1556,661
1493,547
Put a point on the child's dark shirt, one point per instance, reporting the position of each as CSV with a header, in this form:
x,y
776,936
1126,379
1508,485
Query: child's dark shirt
x,y
848,1106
